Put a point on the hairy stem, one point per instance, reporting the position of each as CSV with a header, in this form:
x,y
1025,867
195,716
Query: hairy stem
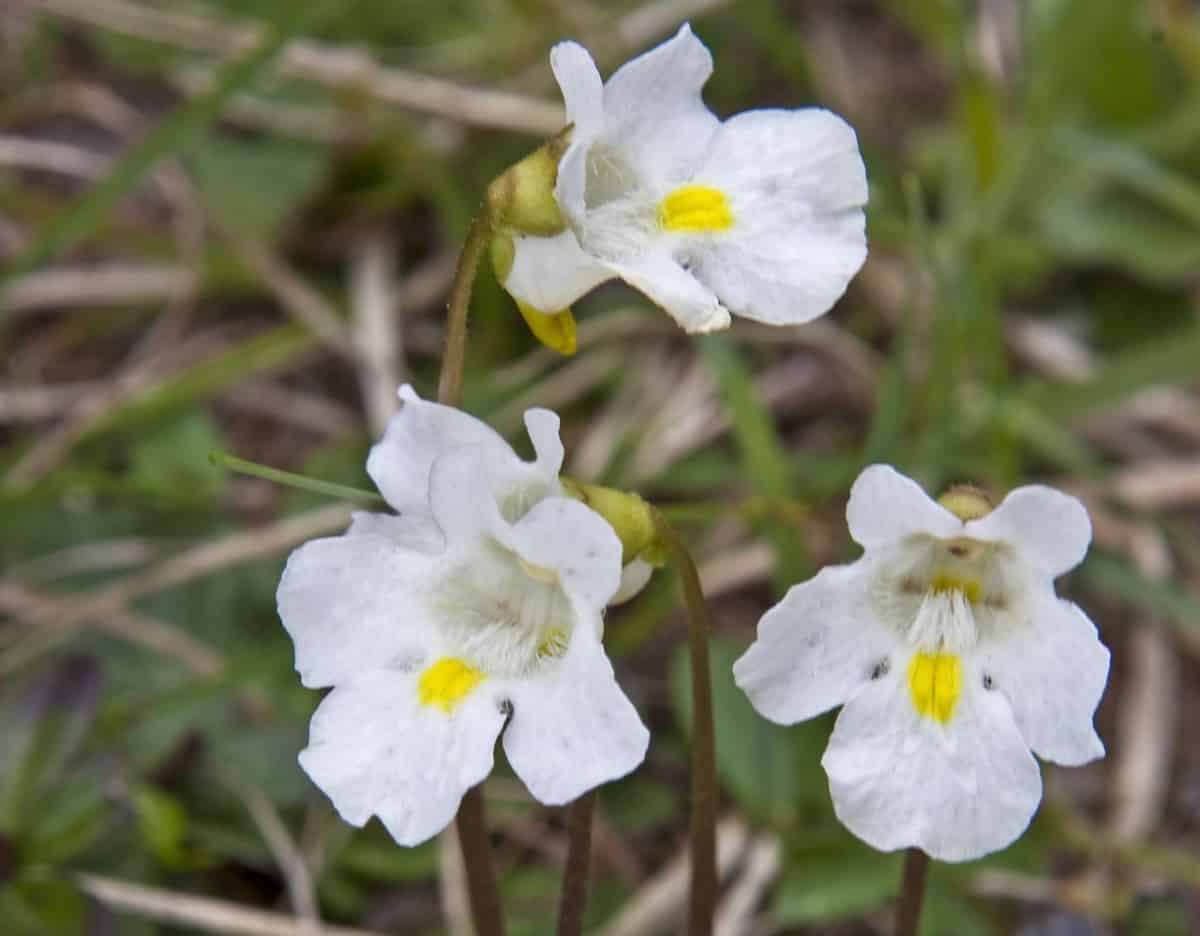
x,y
912,892
702,894
575,876
450,385
471,824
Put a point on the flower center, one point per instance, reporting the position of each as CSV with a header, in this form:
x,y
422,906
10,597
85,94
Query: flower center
x,y
503,615
948,595
935,683
695,209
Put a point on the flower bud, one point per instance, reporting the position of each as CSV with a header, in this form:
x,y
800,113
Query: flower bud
x,y
522,199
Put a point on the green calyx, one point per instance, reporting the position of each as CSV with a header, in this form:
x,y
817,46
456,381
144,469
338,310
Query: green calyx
x,y
629,515
522,199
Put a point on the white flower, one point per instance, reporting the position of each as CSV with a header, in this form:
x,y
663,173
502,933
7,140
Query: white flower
x,y
421,432
953,659
760,215
479,605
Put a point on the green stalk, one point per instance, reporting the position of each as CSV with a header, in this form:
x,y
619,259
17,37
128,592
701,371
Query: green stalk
x,y
575,875
292,480
912,892
702,894
471,822
455,353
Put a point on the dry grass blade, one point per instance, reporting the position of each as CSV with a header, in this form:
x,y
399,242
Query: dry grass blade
x,y
68,613
736,915
89,287
289,858
202,913
662,900
350,69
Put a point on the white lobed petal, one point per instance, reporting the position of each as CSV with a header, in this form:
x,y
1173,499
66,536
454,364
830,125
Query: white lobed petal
x,y
655,117
885,506
816,648
374,749
796,186
957,791
421,431
582,88
1049,529
551,273
692,304
572,727
353,603
1053,677
576,544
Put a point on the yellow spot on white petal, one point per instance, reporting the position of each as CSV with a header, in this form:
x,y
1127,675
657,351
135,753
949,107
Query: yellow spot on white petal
x,y
943,583
935,681
695,209
447,682
556,330
554,644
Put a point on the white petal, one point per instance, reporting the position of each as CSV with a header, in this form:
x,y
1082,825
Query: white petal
x,y
655,118
796,185
542,428
815,648
551,273
462,505
1053,677
420,432
352,604
375,750
673,288
885,506
582,89
634,577
576,543
417,532
572,728
1051,530
958,791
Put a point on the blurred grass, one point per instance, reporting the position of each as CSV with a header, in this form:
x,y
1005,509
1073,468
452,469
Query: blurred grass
x,y
1043,171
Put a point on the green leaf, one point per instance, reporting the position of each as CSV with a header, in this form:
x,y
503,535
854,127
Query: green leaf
x,y
252,185
163,822
772,771
822,887
43,732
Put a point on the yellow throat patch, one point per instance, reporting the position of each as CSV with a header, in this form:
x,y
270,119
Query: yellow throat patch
x,y
695,209
447,682
935,682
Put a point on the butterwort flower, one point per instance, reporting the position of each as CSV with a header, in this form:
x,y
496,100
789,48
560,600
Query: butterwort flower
x,y
760,215
952,656
477,609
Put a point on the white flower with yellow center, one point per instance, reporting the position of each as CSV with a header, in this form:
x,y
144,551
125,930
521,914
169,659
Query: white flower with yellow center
x,y
760,215
952,657
477,609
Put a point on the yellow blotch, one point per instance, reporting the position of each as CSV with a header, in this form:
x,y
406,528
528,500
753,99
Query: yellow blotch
x,y
447,682
945,582
556,330
553,644
935,681
695,209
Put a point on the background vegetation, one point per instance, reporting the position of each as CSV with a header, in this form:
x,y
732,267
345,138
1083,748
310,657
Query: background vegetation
x,y
212,245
